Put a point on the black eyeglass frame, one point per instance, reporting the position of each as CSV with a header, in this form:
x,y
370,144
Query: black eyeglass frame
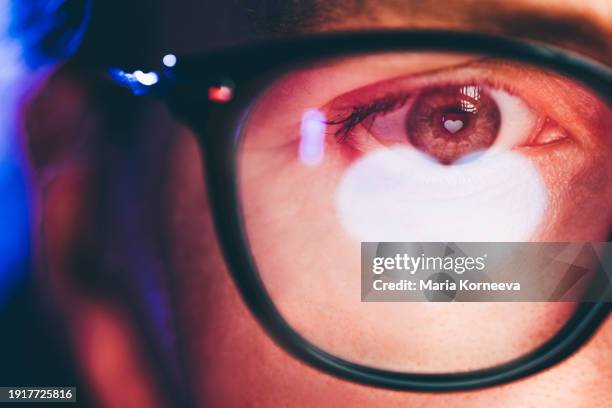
x,y
219,128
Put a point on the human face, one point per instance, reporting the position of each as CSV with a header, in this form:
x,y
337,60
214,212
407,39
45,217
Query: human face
x,y
231,359
370,17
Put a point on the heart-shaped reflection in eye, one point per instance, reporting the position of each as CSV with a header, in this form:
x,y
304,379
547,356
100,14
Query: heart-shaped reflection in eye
x,y
453,126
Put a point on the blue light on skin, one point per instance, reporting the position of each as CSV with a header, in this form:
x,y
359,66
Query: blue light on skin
x,y
14,195
34,35
14,225
312,142
47,30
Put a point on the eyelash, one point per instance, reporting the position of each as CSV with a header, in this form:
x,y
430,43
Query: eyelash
x,y
360,114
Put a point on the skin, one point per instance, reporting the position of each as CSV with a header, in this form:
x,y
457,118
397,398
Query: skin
x,y
230,361
310,300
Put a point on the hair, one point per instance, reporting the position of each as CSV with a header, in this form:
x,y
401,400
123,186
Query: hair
x,y
123,33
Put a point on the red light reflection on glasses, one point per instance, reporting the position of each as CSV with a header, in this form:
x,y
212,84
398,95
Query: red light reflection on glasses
x,y
220,94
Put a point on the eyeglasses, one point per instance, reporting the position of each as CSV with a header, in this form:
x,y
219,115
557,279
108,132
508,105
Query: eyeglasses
x,y
315,146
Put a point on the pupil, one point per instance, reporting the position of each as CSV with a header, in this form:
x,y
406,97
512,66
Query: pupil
x,y
452,121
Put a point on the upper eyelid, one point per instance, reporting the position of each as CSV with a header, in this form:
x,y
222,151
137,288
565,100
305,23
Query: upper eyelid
x,y
378,89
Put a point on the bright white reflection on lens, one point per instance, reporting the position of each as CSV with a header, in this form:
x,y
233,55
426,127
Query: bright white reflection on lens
x,y
169,60
147,79
312,142
399,194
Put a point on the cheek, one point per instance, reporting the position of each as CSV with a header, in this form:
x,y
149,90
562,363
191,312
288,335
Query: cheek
x,y
235,363
305,225
579,186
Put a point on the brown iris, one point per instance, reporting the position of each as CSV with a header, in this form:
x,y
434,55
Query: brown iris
x,y
452,121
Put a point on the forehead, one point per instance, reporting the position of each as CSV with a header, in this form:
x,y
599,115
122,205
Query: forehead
x,y
455,11
582,25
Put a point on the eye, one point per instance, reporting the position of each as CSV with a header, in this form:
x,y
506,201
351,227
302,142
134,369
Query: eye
x,y
331,157
446,121
450,122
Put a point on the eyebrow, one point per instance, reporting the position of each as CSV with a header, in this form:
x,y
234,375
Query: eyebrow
x,y
567,27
